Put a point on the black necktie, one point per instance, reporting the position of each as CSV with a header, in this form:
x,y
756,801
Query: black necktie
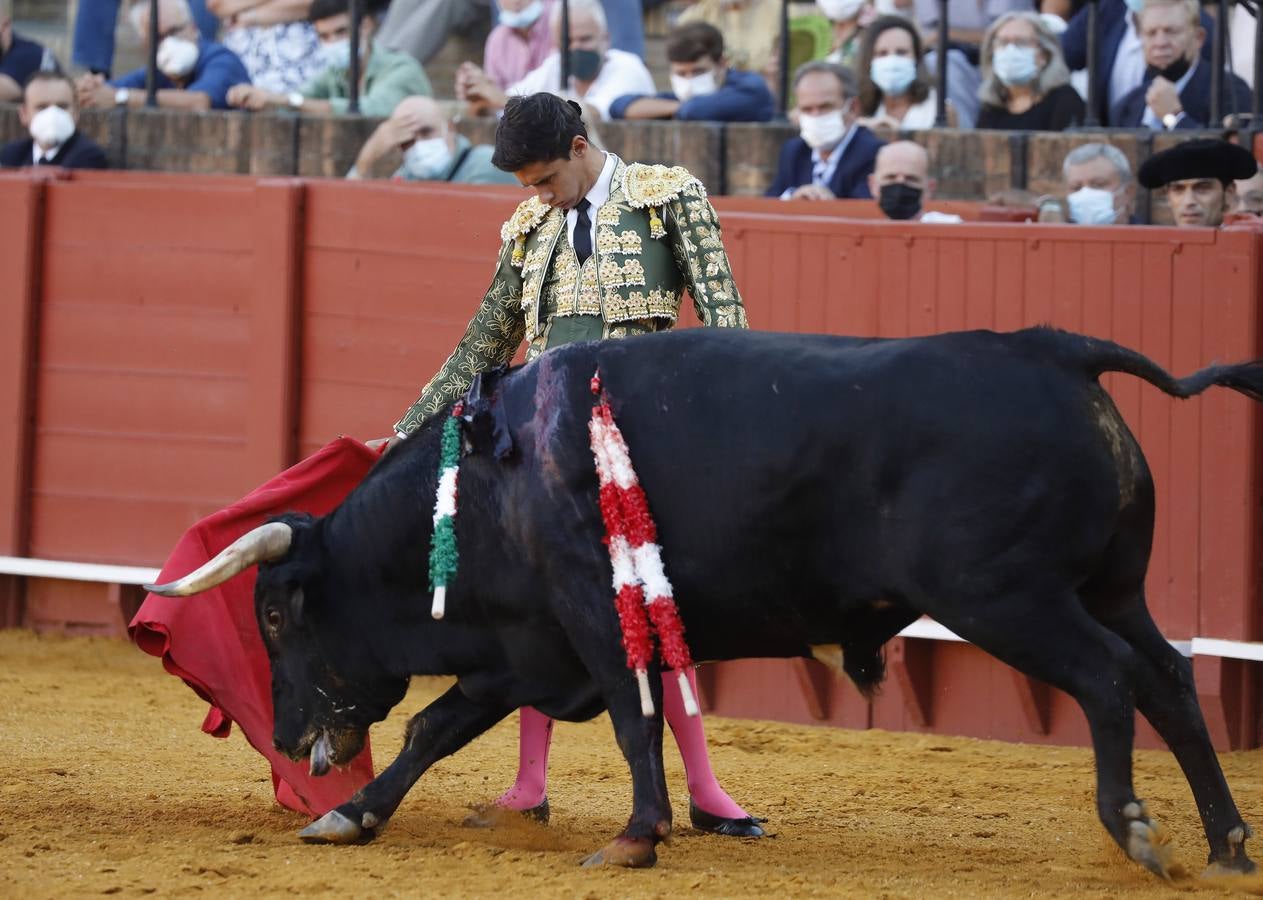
x,y
583,232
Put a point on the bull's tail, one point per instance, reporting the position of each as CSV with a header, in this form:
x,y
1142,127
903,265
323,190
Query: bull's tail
x,y
1095,357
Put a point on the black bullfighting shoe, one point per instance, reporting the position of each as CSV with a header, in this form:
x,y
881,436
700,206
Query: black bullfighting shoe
x,y
704,821
489,815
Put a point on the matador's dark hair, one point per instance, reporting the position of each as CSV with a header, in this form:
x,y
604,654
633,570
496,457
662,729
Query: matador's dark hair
x,y
535,129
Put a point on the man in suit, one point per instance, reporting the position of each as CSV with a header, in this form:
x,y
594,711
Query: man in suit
x,y
1175,92
50,114
1120,60
832,157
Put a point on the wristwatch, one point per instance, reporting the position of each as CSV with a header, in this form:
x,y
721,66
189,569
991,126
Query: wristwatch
x,y
1170,120
121,96
296,99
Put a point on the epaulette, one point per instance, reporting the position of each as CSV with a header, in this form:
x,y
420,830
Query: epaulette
x,y
646,185
529,213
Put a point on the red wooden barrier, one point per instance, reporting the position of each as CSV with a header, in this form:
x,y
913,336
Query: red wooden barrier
x,y
196,334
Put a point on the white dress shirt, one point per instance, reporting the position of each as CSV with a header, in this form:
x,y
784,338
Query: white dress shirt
x,y
597,196
621,73
1129,63
38,153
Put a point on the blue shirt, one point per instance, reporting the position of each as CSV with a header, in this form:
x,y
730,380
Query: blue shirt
x,y
217,69
743,97
24,59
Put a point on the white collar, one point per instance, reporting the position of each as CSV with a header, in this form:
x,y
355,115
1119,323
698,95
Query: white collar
x,y
600,191
39,153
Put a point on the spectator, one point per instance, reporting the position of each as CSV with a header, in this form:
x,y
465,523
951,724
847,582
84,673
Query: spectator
x,y
92,47
895,89
962,76
1120,66
1175,92
516,46
703,86
1250,194
1200,179
432,149
50,114
901,183
387,76
833,156
845,16
751,29
19,58
599,75
273,39
1099,186
192,73
420,28
1025,83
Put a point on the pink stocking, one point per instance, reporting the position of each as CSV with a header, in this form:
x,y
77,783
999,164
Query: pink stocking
x,y
535,736
690,736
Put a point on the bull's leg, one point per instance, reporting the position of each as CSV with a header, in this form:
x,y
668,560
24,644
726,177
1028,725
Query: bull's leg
x,y
640,739
1167,696
439,730
1058,642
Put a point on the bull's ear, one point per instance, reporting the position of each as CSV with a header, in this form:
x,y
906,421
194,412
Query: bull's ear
x,y
296,607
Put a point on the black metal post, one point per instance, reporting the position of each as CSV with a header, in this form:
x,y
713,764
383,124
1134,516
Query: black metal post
x,y
940,113
1092,118
784,72
151,70
564,47
1257,108
1217,66
353,70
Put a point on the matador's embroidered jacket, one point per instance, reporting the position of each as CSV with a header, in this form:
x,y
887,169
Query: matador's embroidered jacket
x,y
656,237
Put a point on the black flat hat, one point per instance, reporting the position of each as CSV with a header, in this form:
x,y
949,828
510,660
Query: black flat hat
x,y
1198,159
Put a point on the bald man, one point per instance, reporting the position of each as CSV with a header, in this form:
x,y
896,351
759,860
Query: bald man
x,y
192,73
901,183
432,149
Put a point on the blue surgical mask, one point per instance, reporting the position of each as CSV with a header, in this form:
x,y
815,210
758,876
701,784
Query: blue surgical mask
x,y
524,18
336,54
892,74
1015,65
1135,5
1092,206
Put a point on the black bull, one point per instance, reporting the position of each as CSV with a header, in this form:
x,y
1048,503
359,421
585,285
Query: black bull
x,y
809,491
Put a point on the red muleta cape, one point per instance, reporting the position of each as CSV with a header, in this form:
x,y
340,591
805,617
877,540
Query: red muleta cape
x,y
212,641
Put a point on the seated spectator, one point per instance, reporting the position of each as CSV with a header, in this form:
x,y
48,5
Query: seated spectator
x,y
599,75
751,30
1025,82
1120,60
1099,187
1250,194
92,46
273,39
833,156
1200,179
895,89
1175,92
901,183
846,17
703,86
50,114
963,80
19,58
387,76
516,46
432,149
192,73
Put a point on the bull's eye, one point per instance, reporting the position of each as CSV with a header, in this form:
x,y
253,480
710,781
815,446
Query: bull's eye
x,y
273,619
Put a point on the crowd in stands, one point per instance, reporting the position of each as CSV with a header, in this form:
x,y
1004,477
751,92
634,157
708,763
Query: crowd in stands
x,y
861,72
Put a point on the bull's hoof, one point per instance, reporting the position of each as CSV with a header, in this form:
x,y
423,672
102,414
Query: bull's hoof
x,y
1147,841
1236,863
630,853
747,827
489,815
335,828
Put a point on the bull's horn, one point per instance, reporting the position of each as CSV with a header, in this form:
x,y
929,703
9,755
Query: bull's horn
x,y
263,543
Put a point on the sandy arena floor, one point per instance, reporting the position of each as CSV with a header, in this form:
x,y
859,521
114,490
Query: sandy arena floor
x,y
108,787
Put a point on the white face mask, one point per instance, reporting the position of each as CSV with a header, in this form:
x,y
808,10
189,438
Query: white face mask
x,y
428,159
51,127
177,56
822,131
893,74
840,10
523,18
336,54
1092,206
1015,65
685,89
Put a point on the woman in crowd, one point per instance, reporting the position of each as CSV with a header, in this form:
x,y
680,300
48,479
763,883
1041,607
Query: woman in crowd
x,y
1025,82
895,89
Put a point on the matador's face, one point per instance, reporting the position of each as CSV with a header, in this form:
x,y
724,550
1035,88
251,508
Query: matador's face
x,y
560,183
